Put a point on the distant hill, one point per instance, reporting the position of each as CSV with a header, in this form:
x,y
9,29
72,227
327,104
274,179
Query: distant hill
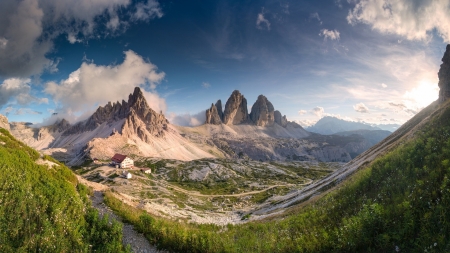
x,y
332,125
372,136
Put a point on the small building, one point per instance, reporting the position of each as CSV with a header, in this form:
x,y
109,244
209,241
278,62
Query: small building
x,y
146,170
122,161
127,174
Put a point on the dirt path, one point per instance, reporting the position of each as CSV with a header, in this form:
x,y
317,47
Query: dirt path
x,y
197,194
137,241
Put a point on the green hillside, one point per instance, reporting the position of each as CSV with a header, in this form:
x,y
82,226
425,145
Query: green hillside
x,y
43,209
399,203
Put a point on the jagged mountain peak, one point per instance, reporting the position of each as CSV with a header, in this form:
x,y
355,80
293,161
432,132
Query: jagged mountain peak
x,y
136,113
262,112
235,109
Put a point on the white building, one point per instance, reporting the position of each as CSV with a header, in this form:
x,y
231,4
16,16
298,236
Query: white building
x,y
146,170
122,161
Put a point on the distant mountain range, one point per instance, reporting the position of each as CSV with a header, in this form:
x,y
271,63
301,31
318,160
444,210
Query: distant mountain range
x,y
332,125
133,128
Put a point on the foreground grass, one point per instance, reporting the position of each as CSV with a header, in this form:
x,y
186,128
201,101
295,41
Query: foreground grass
x,y
44,209
400,203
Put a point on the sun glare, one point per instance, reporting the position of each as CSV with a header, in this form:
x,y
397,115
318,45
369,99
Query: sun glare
x,y
423,94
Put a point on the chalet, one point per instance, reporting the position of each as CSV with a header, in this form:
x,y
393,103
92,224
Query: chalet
x,y
122,161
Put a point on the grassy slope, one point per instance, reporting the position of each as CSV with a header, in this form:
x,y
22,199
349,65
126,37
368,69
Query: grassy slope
x,y
43,209
401,202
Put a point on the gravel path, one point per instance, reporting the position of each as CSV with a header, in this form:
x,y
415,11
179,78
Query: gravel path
x,y
137,241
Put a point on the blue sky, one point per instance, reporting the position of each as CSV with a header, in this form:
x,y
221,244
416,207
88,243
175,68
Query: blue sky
x,y
363,60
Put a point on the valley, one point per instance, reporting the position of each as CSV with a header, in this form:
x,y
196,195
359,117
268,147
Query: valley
x,y
214,191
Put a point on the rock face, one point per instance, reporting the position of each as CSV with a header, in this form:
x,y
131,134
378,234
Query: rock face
x,y
262,113
213,116
280,120
235,109
140,119
444,76
4,122
219,109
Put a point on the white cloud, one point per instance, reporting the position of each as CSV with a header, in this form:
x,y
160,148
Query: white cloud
x,y
147,11
72,38
414,20
306,122
318,111
206,85
302,112
261,21
92,85
187,119
16,90
361,107
330,34
384,85
3,43
315,15
28,28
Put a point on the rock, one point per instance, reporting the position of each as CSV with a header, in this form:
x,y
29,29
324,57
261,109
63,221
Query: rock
x,y
262,113
4,122
282,121
212,116
444,76
219,109
235,109
59,126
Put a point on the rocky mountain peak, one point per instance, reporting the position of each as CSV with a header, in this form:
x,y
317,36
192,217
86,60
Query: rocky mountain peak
x,y
235,109
4,122
60,125
140,119
262,113
444,76
212,116
280,120
219,109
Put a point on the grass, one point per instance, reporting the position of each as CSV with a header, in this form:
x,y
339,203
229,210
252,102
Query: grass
x,y
44,210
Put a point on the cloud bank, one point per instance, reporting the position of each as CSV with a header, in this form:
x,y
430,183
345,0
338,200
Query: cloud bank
x,y
28,28
187,119
414,20
92,85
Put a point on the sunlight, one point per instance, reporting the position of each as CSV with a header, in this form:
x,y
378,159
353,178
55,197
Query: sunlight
x,y
423,94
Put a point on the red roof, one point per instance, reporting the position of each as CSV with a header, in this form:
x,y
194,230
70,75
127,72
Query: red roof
x,y
118,158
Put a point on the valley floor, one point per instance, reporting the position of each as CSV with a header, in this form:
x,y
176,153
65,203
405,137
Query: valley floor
x,y
215,191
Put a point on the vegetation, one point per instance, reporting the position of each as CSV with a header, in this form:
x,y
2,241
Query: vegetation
x,y
399,203
43,209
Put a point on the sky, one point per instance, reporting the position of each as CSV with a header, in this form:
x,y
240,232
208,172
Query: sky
x,y
374,61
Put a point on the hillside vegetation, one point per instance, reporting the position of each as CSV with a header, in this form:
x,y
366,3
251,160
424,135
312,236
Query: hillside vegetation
x,y
399,203
43,209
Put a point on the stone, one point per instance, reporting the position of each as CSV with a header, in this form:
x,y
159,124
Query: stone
x,y
280,120
219,109
262,113
212,116
4,122
444,76
235,109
